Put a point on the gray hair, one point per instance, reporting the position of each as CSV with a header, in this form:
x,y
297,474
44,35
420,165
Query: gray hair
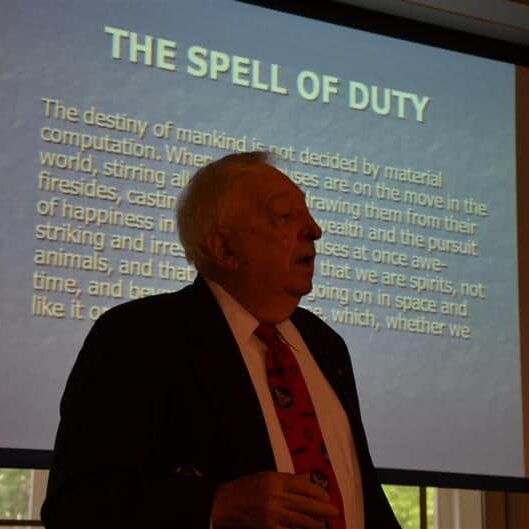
x,y
204,202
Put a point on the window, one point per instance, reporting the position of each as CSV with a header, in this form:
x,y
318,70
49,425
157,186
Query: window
x,y
405,502
22,493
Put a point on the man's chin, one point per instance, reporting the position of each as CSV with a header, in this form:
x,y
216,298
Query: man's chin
x,y
300,290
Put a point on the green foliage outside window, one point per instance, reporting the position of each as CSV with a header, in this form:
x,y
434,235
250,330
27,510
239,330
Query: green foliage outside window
x,y
405,504
14,493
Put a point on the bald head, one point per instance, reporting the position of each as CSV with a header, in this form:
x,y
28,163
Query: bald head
x,y
257,237
206,199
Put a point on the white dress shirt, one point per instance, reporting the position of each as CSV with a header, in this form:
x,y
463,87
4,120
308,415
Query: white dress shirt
x,y
332,419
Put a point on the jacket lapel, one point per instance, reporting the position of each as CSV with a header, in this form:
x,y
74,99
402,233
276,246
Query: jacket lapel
x,y
227,384
324,353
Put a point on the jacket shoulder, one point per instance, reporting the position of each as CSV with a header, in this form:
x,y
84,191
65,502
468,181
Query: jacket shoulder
x,y
150,308
305,319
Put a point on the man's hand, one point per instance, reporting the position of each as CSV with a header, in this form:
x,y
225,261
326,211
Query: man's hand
x,y
271,500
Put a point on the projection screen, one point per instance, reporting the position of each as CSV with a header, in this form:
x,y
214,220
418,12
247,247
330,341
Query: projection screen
x,y
407,156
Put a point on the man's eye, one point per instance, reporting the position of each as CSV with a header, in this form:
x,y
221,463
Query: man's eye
x,y
284,215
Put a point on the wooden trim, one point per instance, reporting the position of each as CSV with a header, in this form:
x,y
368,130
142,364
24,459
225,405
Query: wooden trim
x,y
494,510
506,510
522,161
517,511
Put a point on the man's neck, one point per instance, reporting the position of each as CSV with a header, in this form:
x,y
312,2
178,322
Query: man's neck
x,y
264,307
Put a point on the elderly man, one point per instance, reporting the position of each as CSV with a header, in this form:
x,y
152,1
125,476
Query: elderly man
x,y
222,405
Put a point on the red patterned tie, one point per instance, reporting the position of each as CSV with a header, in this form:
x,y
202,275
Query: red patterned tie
x,y
297,417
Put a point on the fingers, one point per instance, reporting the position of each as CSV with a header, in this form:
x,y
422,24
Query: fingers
x,y
271,499
307,499
302,485
311,507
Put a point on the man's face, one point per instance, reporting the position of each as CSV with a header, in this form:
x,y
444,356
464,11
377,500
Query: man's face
x,y
272,234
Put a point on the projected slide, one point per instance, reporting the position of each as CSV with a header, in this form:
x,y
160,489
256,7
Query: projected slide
x,y
407,157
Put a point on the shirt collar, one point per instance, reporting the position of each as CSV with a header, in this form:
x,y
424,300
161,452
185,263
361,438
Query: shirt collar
x,y
241,322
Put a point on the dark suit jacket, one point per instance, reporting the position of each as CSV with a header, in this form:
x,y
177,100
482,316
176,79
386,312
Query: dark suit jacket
x,y
159,409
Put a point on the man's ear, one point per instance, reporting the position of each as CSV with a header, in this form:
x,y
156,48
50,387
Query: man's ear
x,y
219,242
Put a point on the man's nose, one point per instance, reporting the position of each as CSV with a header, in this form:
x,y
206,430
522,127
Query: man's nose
x,y
312,231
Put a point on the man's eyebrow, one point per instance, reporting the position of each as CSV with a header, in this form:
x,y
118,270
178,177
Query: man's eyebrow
x,y
285,194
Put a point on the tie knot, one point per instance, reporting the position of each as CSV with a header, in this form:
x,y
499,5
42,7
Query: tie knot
x,y
266,332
